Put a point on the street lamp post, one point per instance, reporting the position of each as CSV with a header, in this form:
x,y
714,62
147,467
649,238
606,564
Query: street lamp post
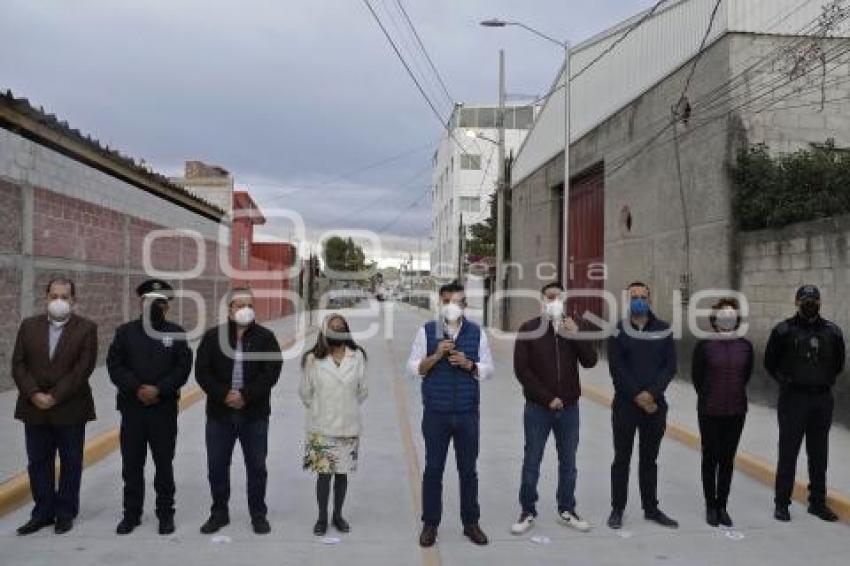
x,y
496,23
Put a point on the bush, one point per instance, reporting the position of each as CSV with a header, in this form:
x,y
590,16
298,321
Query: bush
x,y
774,191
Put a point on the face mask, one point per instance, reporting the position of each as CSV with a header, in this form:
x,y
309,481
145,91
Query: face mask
x,y
451,312
59,309
554,309
244,316
810,309
639,306
726,321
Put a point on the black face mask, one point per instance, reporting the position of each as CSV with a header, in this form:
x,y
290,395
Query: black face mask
x,y
810,310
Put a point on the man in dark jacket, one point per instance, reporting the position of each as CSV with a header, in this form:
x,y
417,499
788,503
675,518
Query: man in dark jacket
x,y
642,362
546,357
451,355
238,363
54,356
805,354
149,361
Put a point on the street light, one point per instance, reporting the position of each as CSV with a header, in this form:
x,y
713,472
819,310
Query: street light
x,y
472,134
565,45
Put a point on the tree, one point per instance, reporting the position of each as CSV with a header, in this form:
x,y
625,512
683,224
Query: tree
x,y
344,255
483,240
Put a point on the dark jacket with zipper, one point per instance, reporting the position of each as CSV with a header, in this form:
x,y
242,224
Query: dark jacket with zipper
x,y
214,370
720,372
547,365
803,355
644,360
137,359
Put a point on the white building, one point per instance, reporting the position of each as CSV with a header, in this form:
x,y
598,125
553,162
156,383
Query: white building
x,y
465,173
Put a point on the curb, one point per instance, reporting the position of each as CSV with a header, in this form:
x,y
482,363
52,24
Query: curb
x,y
753,466
15,492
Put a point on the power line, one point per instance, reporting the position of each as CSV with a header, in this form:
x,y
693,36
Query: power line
x,y
425,52
701,49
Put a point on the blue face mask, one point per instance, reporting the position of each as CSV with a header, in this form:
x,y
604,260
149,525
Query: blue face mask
x,y
639,306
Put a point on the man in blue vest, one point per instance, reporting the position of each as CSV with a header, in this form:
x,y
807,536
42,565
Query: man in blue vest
x,y
451,356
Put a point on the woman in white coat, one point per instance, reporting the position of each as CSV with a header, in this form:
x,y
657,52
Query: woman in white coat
x,y
333,386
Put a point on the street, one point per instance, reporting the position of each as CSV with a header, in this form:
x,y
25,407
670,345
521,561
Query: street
x,y
382,494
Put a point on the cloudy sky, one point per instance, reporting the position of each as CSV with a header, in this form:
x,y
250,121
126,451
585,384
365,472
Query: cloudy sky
x,y
303,101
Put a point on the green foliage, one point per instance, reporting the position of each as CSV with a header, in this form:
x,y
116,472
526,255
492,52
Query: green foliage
x,y
774,191
344,255
483,240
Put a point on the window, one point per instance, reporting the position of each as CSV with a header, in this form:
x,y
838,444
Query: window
x,y
470,162
509,118
467,118
487,117
470,204
524,117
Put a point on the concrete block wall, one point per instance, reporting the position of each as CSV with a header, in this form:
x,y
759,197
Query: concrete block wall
x,y
59,216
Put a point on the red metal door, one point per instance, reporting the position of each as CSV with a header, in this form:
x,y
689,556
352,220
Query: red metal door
x,y
586,241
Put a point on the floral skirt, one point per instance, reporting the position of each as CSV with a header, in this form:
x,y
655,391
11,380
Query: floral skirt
x,y
331,454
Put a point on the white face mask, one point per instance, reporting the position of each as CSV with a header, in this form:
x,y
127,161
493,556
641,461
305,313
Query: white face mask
x,y
554,309
726,320
59,309
451,312
244,316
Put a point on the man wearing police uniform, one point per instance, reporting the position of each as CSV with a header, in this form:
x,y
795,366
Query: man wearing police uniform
x,y
805,354
149,361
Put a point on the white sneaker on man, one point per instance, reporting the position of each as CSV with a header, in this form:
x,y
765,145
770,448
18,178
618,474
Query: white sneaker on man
x,y
570,519
526,521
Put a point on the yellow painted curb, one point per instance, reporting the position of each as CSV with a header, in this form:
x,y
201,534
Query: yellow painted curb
x,y
15,491
746,463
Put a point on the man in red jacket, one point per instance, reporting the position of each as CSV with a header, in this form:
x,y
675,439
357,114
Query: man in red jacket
x,y
546,357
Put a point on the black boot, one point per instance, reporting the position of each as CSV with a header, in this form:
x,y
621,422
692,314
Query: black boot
x,y
340,489
712,516
724,518
127,525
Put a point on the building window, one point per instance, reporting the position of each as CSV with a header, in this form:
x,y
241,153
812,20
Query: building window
x,y
523,117
244,252
487,117
470,204
470,162
467,118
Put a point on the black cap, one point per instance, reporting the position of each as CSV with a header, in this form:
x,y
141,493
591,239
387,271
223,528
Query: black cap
x,y
808,292
155,287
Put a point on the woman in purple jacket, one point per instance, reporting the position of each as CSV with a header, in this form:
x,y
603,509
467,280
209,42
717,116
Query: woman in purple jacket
x,y
721,370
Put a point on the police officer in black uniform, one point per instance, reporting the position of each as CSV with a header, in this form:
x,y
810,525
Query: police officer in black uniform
x,y
805,354
149,361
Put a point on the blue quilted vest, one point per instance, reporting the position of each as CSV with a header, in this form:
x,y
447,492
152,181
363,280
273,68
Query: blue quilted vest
x,y
446,388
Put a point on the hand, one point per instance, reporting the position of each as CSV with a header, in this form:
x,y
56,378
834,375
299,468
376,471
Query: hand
x,y
148,395
556,404
457,358
234,399
43,401
569,325
646,401
444,347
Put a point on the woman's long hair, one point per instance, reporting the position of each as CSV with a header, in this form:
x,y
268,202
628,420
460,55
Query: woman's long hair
x,y
321,349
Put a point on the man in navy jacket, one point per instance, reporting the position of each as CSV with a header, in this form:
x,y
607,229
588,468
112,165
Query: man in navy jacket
x,y
642,362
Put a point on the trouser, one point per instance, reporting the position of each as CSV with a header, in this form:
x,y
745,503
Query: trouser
x,y
720,437
627,420
538,423
221,437
440,429
803,415
153,427
43,442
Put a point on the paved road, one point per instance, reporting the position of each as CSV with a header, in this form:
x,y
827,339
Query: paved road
x,y
382,506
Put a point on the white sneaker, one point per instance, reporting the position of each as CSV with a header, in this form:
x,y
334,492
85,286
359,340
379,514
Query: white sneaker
x,y
573,521
523,525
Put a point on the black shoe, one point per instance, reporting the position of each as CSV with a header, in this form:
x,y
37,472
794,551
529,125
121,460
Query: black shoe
x,y
341,524
166,526
127,526
474,533
657,516
428,536
214,524
782,513
320,529
261,525
63,526
712,517
724,518
615,520
821,511
33,526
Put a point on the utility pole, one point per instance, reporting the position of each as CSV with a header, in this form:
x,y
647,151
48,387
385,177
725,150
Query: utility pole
x,y
500,186
565,270
460,234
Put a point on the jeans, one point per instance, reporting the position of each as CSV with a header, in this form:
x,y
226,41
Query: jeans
x,y
627,420
43,442
440,429
221,437
809,416
720,437
538,422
